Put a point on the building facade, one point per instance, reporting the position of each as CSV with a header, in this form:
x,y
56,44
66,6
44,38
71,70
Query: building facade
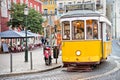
x,y
49,8
100,5
6,5
113,12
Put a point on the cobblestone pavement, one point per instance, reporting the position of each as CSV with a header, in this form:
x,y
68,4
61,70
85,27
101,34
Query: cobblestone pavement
x,y
104,69
19,66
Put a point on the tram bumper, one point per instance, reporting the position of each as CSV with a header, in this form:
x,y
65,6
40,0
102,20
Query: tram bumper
x,y
66,64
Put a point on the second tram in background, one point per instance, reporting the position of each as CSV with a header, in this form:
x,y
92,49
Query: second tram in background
x,y
86,38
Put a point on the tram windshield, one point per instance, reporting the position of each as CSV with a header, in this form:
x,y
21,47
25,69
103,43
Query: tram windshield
x,y
66,30
91,29
80,30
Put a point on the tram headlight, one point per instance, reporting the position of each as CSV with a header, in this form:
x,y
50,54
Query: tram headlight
x,y
78,53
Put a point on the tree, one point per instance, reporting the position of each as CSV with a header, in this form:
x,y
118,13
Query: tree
x,y
34,18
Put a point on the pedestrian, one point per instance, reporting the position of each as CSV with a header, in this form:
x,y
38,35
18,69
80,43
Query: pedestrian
x,y
42,40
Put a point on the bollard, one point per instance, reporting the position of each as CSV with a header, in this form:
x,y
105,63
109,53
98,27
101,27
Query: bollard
x,y
11,64
31,63
56,55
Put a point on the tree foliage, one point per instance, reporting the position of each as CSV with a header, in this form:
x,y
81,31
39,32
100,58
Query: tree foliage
x,y
33,21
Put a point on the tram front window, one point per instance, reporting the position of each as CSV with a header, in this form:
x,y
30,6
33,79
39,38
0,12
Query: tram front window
x,y
78,30
91,29
66,30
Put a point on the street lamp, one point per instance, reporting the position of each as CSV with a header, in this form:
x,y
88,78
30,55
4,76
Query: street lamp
x,y
26,47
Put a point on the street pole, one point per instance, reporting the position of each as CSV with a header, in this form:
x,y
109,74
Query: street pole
x,y
50,22
0,23
50,31
115,20
26,46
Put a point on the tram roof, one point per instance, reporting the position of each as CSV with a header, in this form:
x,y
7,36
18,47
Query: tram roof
x,y
85,13
81,13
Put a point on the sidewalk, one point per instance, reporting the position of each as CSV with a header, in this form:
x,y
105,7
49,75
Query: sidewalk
x,y
21,67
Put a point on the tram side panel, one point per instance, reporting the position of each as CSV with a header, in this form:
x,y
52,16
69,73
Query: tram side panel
x,y
107,49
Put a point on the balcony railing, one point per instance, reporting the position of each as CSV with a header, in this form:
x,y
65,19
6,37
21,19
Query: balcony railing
x,y
60,8
98,3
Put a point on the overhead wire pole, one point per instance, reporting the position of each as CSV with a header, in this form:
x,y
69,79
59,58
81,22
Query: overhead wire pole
x,y
115,21
50,22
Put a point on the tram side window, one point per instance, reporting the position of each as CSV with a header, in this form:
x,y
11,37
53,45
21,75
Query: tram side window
x,y
95,30
108,33
78,30
66,30
89,29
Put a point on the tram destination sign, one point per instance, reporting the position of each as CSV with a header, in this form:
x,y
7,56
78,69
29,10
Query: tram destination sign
x,y
84,6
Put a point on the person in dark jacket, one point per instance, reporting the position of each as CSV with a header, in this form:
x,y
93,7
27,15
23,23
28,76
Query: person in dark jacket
x,y
43,40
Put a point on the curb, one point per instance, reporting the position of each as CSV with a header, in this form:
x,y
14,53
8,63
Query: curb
x,y
29,72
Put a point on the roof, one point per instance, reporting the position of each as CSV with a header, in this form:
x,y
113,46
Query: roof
x,y
80,13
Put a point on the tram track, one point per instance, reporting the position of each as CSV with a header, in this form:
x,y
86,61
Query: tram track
x,y
104,74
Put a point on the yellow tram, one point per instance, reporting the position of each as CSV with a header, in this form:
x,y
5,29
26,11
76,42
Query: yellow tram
x,y
86,38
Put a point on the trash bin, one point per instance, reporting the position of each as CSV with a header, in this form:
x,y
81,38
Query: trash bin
x,y
55,52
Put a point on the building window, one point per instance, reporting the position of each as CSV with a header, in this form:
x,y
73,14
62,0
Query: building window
x,y
21,1
55,1
50,1
119,11
9,4
78,2
55,11
4,9
31,5
14,1
35,7
69,2
38,8
60,5
26,2
45,11
45,2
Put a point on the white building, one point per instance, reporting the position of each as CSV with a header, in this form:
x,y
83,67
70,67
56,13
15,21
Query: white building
x,y
113,13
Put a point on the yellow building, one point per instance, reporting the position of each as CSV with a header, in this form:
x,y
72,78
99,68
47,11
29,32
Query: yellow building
x,y
49,12
49,5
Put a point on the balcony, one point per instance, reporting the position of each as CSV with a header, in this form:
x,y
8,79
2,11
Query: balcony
x,y
98,3
60,9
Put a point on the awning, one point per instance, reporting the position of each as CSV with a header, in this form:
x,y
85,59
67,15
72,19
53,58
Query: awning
x,y
12,34
30,33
